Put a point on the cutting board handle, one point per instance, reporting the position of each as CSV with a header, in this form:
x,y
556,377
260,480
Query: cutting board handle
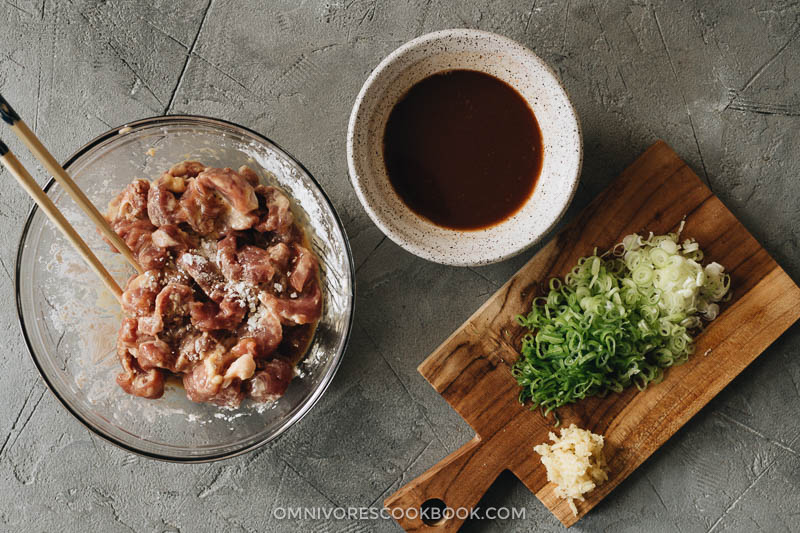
x,y
457,482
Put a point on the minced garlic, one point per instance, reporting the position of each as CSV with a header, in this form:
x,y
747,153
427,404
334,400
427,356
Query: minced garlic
x,y
574,462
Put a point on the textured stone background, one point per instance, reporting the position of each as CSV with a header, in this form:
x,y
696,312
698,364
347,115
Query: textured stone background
x,y
717,80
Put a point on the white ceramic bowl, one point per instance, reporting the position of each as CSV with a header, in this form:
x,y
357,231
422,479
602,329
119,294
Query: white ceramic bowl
x,y
503,59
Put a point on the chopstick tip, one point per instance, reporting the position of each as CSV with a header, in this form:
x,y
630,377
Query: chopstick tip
x,y
7,112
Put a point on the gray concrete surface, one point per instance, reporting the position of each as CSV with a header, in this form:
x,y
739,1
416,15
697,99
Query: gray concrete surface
x,y
717,80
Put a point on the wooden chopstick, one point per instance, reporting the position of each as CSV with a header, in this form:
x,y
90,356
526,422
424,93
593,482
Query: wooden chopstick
x,y
46,204
36,147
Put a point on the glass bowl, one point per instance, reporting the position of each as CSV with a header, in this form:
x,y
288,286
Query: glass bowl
x,y
70,320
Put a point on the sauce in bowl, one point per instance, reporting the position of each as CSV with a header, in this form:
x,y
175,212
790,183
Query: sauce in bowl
x,y
463,149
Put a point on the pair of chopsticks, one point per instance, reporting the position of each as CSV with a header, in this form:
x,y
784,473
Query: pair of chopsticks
x,y
44,202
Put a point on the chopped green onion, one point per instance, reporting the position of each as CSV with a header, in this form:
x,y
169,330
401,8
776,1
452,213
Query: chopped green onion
x,y
617,319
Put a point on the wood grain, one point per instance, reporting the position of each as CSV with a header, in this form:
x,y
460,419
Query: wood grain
x,y
472,368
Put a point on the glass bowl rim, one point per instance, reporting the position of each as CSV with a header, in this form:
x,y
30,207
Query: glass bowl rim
x,y
326,379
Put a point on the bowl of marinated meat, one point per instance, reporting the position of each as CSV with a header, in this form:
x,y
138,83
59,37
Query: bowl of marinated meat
x,y
242,310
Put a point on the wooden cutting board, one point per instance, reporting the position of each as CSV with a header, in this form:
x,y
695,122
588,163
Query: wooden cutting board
x,y
471,369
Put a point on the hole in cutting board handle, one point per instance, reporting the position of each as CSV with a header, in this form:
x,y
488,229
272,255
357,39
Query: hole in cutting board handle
x,y
433,512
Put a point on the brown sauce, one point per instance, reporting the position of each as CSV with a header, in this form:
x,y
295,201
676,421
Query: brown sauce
x,y
463,149
296,341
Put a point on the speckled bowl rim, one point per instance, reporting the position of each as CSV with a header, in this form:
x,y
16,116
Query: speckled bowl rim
x,y
356,179
324,383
